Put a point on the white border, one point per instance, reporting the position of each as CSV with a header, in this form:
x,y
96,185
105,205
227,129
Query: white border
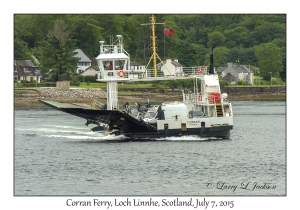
x,y
129,7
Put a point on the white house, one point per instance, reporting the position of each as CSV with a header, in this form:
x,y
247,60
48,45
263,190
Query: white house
x,y
26,70
90,71
83,63
236,72
171,67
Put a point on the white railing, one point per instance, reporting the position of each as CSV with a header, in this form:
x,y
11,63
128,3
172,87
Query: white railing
x,y
186,71
149,73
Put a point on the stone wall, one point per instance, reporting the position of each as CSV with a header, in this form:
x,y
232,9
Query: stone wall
x,y
90,94
255,93
253,90
72,93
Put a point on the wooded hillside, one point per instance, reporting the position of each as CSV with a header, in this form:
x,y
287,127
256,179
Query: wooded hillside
x,y
252,39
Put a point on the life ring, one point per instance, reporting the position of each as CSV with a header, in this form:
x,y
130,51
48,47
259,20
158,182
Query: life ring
x,y
121,73
200,70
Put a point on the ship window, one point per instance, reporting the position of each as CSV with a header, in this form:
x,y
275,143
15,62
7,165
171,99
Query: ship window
x,y
119,64
198,114
108,65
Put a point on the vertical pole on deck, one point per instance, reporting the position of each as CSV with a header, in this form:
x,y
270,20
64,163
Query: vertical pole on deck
x,y
154,44
211,63
154,55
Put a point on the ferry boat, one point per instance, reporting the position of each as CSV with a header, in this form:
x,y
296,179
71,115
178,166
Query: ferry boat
x,y
204,112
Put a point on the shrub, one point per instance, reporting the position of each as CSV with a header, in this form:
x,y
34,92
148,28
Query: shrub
x,y
173,84
18,85
155,83
223,83
242,82
162,90
48,84
86,78
75,82
277,81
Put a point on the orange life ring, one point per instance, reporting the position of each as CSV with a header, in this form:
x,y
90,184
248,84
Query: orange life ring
x,y
121,73
200,70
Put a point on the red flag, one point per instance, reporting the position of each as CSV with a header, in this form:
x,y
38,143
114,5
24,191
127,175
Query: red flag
x,y
168,32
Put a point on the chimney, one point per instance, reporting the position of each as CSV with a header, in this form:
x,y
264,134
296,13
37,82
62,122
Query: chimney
x,y
211,65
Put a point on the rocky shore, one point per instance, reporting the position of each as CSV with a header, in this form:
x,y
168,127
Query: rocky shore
x,y
88,95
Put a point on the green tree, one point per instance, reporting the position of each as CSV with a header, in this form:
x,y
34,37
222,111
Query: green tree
x,y
220,56
244,55
216,38
21,51
267,32
281,43
33,28
57,55
242,32
173,84
190,54
269,60
237,37
87,33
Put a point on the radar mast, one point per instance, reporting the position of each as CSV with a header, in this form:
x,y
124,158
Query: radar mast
x,y
154,54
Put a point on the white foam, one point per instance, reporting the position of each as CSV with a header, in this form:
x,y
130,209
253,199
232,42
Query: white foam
x,y
87,137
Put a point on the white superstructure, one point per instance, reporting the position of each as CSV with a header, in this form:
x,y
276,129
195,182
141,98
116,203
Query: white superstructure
x,y
204,108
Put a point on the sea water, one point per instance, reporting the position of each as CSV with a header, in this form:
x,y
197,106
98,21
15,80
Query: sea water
x,y
56,154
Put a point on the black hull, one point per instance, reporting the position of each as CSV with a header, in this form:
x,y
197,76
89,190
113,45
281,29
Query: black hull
x,y
222,132
130,126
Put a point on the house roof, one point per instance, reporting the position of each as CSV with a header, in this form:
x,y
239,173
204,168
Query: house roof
x,y
82,56
96,68
27,63
237,67
221,69
19,64
175,63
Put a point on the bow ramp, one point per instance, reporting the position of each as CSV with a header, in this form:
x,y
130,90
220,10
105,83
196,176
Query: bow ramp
x,y
115,119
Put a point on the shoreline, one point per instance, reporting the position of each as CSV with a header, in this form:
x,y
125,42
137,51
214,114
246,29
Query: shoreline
x,y
144,98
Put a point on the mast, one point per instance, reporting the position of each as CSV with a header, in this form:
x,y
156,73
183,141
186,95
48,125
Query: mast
x,y
154,54
211,58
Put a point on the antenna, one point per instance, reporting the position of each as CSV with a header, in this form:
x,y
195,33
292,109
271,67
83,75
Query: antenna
x,y
101,46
